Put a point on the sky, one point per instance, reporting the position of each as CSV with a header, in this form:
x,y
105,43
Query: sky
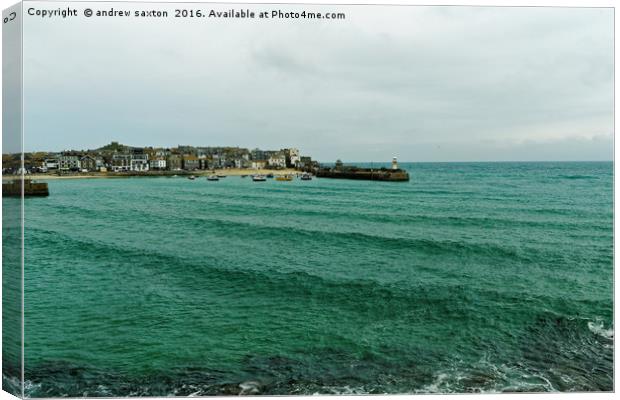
x,y
419,83
11,93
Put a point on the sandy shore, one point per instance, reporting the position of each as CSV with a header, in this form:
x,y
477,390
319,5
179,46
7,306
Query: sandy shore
x,y
94,175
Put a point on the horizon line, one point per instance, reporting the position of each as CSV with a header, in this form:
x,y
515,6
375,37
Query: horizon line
x,y
470,161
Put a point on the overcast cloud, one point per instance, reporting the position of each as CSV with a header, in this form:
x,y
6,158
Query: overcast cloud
x,y
421,83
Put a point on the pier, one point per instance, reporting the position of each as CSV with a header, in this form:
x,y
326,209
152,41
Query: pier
x,y
30,188
341,171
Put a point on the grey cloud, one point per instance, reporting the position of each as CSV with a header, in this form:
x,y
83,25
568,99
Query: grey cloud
x,y
413,82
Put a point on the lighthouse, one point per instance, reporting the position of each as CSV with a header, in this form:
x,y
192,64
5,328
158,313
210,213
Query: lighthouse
x,y
394,163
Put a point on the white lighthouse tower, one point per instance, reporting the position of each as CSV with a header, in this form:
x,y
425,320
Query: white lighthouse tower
x,y
394,163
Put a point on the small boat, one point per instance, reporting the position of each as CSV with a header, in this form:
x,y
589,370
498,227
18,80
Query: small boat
x,y
269,175
259,178
213,178
244,176
306,177
285,178
191,177
221,176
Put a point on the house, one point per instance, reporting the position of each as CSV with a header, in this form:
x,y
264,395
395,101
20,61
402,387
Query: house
x,y
160,153
174,162
190,163
219,160
139,162
292,157
158,163
205,163
121,162
259,164
88,163
305,162
277,160
230,163
242,163
50,163
69,163
184,149
258,154
203,152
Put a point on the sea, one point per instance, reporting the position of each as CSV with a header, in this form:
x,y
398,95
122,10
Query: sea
x,y
469,278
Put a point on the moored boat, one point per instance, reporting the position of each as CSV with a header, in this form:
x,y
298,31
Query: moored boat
x,y
213,178
259,178
191,177
306,177
284,178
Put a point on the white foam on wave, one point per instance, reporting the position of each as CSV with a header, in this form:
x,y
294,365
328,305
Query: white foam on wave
x,y
598,328
345,390
249,387
501,378
441,384
13,384
30,387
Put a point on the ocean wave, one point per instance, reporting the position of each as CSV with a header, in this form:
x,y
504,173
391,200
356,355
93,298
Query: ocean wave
x,y
569,353
576,176
11,383
339,239
319,370
359,288
315,371
380,299
598,328
361,296
364,239
485,376
331,208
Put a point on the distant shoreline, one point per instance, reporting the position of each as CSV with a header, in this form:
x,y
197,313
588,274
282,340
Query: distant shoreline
x,y
153,174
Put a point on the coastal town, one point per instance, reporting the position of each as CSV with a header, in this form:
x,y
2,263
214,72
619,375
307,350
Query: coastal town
x,y
119,159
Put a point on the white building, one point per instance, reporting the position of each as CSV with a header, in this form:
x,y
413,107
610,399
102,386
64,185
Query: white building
x,y
158,163
277,160
139,162
50,163
259,164
292,157
161,153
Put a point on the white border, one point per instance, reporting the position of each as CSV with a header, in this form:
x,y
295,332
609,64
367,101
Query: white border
x,y
532,3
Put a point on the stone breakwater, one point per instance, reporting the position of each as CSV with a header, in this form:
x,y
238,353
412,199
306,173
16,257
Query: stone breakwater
x,y
30,188
367,174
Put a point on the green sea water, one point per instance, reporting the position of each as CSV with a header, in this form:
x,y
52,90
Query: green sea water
x,y
472,277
